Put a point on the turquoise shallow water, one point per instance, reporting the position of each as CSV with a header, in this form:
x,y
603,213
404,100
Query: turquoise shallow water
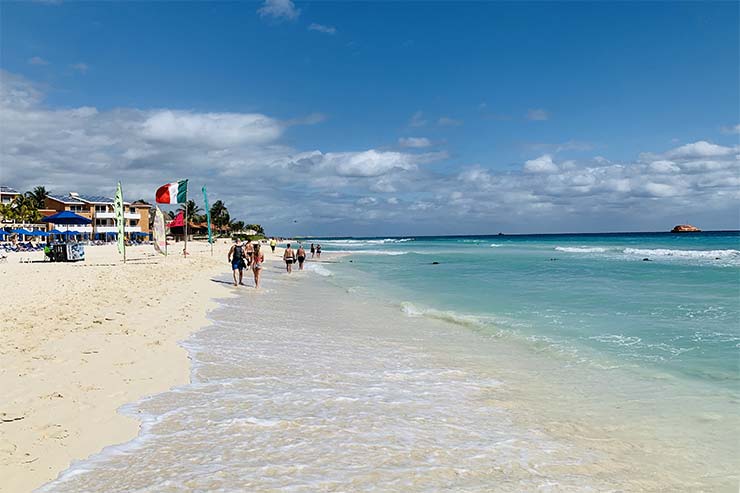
x,y
592,298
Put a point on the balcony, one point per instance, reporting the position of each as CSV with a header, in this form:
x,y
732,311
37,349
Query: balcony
x,y
114,229
112,215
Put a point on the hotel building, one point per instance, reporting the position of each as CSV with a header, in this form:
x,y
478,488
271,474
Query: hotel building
x,y
7,195
100,211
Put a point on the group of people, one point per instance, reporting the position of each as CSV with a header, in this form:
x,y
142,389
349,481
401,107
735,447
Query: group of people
x,y
247,255
298,256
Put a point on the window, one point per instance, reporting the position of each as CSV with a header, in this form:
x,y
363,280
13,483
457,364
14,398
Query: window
x,y
132,210
101,208
77,208
134,222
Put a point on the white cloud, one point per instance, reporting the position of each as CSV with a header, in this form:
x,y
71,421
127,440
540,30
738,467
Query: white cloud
x,y
414,142
538,115
213,129
322,29
37,60
367,201
446,121
279,10
81,67
700,149
542,164
417,120
241,158
370,162
735,129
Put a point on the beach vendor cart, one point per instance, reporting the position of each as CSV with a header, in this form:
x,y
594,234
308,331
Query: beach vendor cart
x,y
67,249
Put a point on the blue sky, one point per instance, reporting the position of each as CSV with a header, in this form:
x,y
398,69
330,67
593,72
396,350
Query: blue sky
x,y
374,118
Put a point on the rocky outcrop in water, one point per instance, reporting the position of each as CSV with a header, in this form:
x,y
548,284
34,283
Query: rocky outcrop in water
x,y
685,228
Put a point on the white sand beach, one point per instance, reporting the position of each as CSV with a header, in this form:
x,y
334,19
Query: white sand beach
x,y
82,339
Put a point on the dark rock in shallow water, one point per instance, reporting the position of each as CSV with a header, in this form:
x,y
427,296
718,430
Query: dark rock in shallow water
x,y
646,260
435,263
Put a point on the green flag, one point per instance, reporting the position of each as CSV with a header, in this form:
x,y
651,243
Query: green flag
x,y
208,215
120,220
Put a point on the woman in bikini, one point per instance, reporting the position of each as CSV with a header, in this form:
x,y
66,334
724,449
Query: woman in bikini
x,y
257,259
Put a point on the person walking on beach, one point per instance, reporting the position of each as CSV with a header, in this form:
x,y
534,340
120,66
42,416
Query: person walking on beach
x,y
250,252
289,258
236,259
313,250
301,256
273,244
257,259
318,251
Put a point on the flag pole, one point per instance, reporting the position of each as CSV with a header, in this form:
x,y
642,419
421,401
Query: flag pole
x,y
185,251
124,225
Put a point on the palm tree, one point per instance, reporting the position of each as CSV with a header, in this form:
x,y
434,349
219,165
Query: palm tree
x,y
237,226
38,195
191,210
220,214
22,209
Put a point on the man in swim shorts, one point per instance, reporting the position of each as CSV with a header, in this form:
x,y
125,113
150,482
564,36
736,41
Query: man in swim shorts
x,y
289,258
236,259
249,248
301,256
273,244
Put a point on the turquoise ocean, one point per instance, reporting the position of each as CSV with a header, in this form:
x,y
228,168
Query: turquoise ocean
x,y
652,302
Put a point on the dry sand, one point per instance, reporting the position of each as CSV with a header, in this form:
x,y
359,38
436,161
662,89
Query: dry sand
x,y
82,339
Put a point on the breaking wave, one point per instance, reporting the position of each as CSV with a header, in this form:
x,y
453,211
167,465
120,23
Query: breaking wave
x,y
581,249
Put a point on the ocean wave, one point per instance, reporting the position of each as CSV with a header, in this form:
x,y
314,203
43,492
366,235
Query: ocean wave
x,y
494,245
384,241
582,249
687,254
728,257
498,328
371,252
448,316
318,269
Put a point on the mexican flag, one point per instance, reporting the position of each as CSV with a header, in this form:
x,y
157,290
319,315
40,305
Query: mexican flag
x,y
173,193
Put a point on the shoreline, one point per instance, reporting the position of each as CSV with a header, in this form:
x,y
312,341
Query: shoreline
x,y
315,354
85,339
516,395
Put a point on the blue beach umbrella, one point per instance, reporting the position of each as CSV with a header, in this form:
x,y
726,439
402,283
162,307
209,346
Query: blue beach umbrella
x,y
66,217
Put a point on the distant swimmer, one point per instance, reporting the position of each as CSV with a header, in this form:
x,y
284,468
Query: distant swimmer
x,y
257,259
313,250
289,258
301,256
236,259
318,251
273,244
